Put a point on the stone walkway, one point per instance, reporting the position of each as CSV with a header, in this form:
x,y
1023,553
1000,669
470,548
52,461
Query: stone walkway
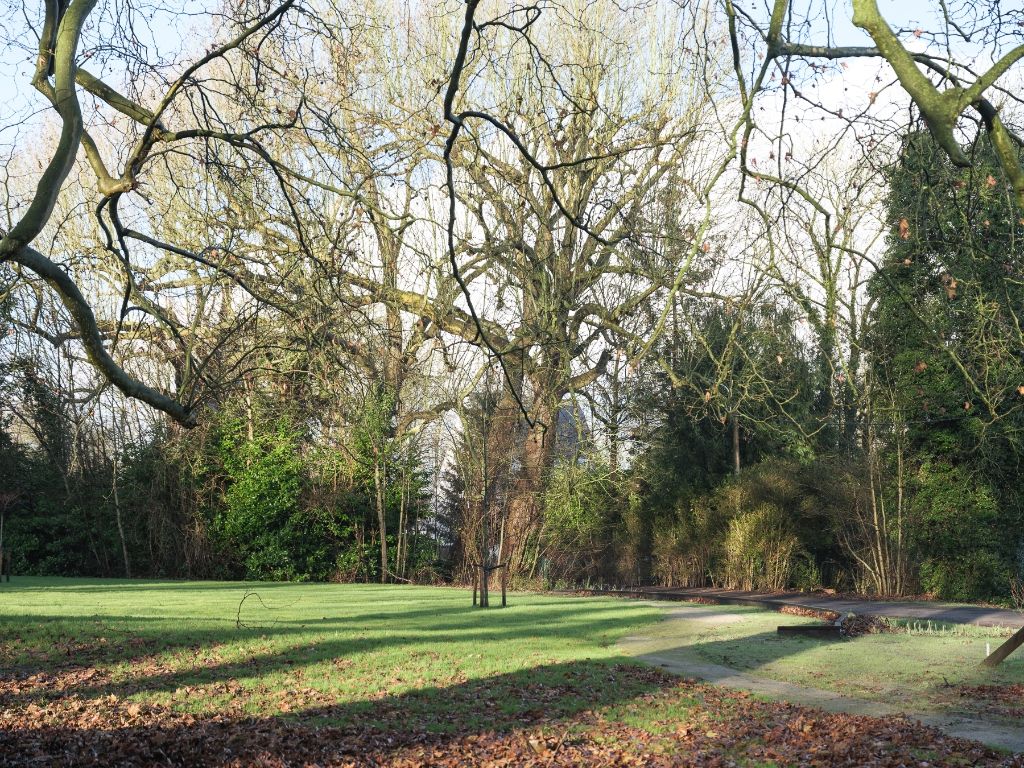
x,y
683,660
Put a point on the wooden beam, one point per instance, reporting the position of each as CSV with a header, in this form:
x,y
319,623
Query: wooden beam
x,y
827,631
1005,649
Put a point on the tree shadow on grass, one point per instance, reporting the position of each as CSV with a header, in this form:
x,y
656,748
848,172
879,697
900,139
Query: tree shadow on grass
x,y
605,713
358,590
151,644
357,732
90,723
752,652
65,585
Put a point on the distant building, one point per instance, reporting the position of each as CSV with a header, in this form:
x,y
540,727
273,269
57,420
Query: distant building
x,y
572,431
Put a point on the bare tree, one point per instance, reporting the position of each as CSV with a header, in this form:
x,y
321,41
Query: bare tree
x,y
145,140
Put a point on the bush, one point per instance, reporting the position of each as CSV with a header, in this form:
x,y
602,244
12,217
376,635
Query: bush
x,y
1017,580
578,506
265,477
977,576
806,574
271,525
684,549
759,549
957,535
357,561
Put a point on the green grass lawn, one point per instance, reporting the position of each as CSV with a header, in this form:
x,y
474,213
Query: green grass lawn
x,y
920,666
309,647
212,673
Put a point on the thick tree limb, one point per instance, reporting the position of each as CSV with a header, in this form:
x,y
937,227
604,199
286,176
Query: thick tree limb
x,y
939,108
82,314
15,246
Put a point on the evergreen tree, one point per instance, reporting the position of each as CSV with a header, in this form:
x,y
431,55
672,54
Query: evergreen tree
x,y
945,349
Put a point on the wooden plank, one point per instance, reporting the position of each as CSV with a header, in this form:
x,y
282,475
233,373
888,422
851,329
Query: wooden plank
x,y
1004,650
824,631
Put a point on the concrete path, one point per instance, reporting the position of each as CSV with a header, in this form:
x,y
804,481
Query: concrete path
x,y
946,612
660,649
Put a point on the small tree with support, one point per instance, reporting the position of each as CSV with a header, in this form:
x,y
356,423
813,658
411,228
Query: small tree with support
x,y
481,576
492,434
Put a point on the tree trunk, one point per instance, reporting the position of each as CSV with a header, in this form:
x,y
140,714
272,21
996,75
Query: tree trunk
x,y
615,413
735,444
120,523
378,486
524,515
1015,642
401,544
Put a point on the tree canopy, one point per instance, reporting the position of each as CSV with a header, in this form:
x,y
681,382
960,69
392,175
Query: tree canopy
x,y
686,292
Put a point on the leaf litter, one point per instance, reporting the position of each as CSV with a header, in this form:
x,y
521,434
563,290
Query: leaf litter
x,y
49,719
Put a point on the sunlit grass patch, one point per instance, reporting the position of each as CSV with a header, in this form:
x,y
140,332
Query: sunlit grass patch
x,y
919,665
201,647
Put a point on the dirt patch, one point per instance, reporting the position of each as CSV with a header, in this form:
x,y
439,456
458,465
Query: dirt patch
x,y
710,615
713,618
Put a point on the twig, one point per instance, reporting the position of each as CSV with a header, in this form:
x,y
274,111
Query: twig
x,y
558,746
238,616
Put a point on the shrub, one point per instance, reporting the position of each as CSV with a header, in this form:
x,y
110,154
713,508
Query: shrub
x,y
957,535
759,549
265,481
1017,580
684,549
806,574
967,578
578,506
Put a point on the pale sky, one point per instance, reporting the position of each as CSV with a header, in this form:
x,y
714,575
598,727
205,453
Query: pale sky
x,y
169,27
176,25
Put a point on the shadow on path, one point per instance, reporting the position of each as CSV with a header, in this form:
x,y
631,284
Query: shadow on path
x,y
684,660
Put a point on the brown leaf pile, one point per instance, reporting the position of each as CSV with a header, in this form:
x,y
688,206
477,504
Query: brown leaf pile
x,y
717,728
811,613
856,625
1001,700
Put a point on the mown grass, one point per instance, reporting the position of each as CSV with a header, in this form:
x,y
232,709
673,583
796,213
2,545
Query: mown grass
x,y
920,665
181,673
325,650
